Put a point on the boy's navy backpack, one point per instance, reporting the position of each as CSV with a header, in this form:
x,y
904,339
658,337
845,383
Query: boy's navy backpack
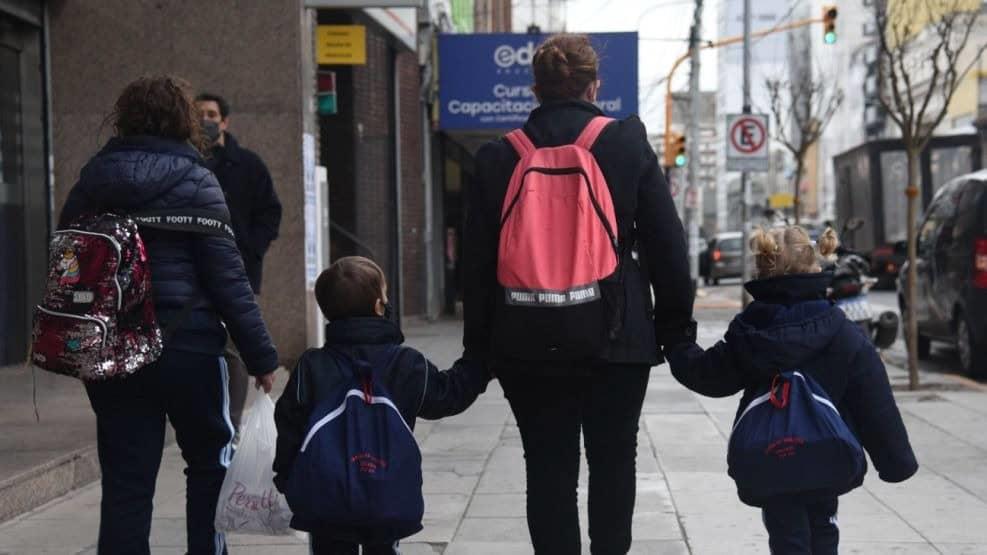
x,y
792,440
359,468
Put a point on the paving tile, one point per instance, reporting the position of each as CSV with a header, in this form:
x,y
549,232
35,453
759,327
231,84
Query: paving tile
x,y
488,548
447,482
502,505
962,548
681,428
890,548
493,530
737,546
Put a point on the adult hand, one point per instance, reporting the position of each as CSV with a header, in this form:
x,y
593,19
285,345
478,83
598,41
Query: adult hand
x,y
265,382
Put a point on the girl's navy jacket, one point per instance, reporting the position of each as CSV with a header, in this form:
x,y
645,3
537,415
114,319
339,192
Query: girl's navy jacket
x,y
790,326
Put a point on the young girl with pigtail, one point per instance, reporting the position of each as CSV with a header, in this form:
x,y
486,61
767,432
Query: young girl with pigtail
x,y
791,325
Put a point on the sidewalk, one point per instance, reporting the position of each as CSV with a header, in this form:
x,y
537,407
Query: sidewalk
x,y
474,481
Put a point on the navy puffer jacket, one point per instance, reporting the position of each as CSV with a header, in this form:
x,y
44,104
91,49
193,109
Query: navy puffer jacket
x,y
791,326
132,174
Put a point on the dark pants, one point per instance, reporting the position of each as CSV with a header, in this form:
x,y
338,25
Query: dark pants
x,y
797,528
191,390
550,413
326,546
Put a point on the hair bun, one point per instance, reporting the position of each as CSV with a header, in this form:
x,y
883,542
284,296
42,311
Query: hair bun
x,y
828,242
558,61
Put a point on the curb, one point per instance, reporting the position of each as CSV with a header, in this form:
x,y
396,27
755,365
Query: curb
x,y
33,488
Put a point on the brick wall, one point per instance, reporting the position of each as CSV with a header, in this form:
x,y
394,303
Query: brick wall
x,y
359,148
412,188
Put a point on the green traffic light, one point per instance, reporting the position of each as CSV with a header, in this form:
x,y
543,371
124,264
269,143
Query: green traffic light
x,y
680,160
830,37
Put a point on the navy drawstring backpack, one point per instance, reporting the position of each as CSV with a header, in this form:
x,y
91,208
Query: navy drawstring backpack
x,y
359,467
793,440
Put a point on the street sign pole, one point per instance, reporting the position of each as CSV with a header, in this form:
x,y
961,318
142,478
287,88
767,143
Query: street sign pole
x,y
694,190
744,186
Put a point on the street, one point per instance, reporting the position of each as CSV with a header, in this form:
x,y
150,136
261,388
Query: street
x,y
474,477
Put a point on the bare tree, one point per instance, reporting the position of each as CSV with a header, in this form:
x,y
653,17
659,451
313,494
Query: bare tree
x,y
921,44
801,109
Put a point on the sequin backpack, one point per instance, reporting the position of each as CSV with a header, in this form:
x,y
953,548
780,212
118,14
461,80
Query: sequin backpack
x,y
97,320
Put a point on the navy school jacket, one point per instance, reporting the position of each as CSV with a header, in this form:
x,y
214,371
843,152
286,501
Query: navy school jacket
x,y
790,326
416,386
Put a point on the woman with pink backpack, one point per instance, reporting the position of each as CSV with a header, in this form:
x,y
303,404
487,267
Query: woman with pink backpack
x,y
570,233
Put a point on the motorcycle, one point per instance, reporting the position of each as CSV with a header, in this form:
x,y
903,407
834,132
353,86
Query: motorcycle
x,y
849,289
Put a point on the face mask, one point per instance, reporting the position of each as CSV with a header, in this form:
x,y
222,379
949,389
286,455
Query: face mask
x,y
211,130
388,312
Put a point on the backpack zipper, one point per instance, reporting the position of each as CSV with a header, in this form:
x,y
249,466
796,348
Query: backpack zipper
x,y
589,189
97,321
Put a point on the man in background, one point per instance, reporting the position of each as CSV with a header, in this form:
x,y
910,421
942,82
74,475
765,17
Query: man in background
x,y
255,213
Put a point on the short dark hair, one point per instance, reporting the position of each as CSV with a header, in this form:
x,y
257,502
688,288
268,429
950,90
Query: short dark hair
x,y
224,106
349,288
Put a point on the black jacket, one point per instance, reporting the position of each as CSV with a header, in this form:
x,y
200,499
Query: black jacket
x,y
134,174
646,218
255,210
791,326
416,386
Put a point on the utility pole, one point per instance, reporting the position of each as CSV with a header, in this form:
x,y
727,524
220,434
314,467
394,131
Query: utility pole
x,y
694,190
745,192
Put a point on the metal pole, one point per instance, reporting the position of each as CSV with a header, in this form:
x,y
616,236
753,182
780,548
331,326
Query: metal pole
x,y
692,193
744,185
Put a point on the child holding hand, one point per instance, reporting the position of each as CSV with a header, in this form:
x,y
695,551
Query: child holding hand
x,y
791,325
352,294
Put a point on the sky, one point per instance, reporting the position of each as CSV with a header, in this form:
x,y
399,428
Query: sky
x,y
659,23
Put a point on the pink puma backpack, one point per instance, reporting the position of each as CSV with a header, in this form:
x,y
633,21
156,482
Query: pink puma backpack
x,y
558,255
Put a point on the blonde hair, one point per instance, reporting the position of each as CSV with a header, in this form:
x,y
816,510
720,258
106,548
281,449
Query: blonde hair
x,y
789,250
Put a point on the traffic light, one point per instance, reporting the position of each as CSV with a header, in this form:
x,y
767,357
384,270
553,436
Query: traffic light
x,y
326,93
829,24
678,150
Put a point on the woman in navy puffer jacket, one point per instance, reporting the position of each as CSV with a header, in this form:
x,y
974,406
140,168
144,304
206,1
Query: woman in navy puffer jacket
x,y
151,164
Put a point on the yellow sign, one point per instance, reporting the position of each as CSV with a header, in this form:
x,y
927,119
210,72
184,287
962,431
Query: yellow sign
x,y
341,45
781,200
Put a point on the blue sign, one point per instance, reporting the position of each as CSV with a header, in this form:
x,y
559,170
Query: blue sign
x,y
485,79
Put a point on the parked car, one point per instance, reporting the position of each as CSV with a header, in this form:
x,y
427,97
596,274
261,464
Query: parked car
x,y
726,257
952,272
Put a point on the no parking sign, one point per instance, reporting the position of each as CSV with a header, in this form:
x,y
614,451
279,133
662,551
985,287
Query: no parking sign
x,y
747,142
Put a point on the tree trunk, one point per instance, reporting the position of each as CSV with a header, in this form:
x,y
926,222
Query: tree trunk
x,y
798,188
911,332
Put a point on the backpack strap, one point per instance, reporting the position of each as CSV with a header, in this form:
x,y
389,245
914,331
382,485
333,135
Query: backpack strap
x,y
521,143
592,131
192,220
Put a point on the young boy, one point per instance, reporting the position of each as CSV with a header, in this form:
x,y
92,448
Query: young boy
x,y
352,295
790,325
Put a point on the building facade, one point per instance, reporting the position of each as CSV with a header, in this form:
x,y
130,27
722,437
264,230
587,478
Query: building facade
x,y
63,63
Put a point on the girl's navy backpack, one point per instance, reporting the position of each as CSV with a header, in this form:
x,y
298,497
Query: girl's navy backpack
x,y
792,440
359,468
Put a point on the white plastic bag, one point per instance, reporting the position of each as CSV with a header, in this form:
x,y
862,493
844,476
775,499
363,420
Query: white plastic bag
x,y
248,501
